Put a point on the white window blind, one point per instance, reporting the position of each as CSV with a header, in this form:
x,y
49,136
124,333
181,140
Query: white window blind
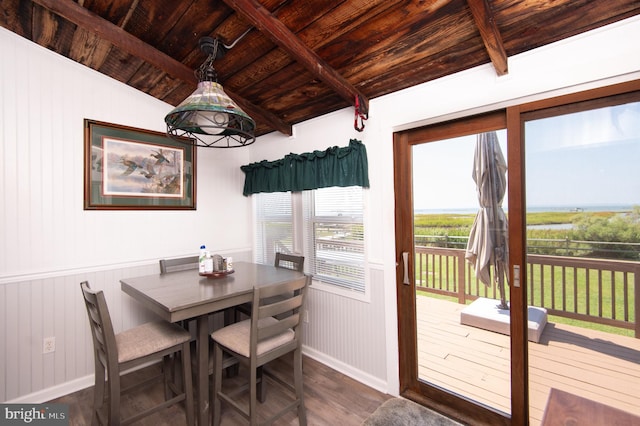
x,y
334,236
324,224
274,226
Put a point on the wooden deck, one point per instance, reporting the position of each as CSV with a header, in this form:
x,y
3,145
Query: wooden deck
x,y
475,363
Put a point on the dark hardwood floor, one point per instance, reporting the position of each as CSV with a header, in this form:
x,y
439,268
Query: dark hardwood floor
x,y
331,398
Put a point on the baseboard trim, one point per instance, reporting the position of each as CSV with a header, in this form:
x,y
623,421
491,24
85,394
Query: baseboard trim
x,y
81,383
348,370
54,392
57,391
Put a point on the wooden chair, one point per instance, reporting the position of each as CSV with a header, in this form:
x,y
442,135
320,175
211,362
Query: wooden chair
x,y
289,261
115,353
181,264
259,340
188,263
283,260
176,265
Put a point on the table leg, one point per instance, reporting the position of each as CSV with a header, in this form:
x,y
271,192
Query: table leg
x,y
203,369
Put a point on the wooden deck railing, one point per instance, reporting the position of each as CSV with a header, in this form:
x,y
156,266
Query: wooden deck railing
x,y
597,290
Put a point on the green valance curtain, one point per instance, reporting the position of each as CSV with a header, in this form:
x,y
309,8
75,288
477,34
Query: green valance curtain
x,y
335,166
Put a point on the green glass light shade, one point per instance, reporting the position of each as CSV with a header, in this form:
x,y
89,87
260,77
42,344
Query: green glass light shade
x,y
210,118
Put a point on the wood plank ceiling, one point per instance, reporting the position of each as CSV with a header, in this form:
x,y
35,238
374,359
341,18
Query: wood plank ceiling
x,y
293,60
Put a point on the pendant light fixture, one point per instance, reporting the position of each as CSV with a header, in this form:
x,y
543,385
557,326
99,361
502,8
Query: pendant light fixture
x,y
209,117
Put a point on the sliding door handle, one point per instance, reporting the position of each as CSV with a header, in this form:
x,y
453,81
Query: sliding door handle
x,y
405,261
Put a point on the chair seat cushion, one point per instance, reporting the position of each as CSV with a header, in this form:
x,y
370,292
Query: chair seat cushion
x,y
149,338
236,337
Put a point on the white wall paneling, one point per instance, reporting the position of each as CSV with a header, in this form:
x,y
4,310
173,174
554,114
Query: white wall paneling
x,y
342,332
53,307
45,98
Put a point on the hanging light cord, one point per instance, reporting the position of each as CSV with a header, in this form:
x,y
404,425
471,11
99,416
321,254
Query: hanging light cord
x,y
359,116
206,72
229,47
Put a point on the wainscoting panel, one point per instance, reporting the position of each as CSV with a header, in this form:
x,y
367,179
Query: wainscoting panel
x,y
348,332
53,307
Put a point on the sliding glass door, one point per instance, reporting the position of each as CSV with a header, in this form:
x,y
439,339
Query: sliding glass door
x,y
583,250
571,267
455,180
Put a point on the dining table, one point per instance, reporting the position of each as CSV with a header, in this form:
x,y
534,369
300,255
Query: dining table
x,y
184,295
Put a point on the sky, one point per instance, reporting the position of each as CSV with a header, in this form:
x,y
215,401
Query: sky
x,y
574,161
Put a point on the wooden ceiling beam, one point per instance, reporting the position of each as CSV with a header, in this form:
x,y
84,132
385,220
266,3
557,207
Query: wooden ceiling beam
x,y
272,27
115,35
486,23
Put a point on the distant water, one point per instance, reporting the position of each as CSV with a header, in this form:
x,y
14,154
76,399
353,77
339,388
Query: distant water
x,y
556,226
445,211
536,209
584,208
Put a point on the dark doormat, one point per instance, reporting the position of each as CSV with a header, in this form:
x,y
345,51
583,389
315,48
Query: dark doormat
x,y
402,412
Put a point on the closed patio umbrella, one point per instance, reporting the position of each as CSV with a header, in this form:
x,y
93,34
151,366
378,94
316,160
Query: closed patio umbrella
x,y
488,239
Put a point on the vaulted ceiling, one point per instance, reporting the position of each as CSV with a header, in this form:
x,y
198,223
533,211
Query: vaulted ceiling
x,y
291,60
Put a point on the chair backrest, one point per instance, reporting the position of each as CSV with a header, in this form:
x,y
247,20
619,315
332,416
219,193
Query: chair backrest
x,y
104,340
180,264
272,301
289,261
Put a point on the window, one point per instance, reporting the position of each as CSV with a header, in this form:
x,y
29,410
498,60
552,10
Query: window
x,y
327,228
335,236
274,226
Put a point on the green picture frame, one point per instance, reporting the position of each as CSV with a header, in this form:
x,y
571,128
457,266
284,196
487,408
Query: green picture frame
x,y
126,168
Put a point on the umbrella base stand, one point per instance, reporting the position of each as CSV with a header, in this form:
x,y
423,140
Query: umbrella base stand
x,y
484,313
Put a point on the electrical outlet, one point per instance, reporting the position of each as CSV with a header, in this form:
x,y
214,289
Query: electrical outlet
x,y
306,316
49,345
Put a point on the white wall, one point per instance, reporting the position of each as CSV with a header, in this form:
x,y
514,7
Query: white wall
x,y
49,243
45,98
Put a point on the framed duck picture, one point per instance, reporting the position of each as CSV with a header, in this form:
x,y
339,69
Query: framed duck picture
x,y
127,168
